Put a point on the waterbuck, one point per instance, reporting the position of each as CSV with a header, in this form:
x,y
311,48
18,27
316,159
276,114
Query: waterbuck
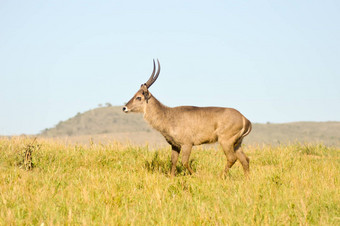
x,y
186,126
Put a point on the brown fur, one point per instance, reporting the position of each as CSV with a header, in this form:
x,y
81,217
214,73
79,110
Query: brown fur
x,y
186,126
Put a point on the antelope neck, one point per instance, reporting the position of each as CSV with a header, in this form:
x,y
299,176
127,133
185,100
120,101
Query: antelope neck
x,y
155,113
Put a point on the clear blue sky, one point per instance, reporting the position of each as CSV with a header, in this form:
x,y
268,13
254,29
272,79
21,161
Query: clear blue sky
x,y
276,61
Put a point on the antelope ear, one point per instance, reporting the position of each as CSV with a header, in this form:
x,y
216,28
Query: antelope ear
x,y
145,92
144,88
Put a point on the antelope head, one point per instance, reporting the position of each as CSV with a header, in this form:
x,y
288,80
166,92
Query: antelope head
x,y
140,99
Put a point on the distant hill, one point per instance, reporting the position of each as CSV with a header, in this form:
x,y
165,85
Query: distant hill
x,y
103,120
113,123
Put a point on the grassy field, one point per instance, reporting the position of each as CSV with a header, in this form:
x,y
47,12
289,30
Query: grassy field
x,y
121,184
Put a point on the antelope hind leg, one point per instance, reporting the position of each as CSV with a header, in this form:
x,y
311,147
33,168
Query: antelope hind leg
x,y
242,158
229,152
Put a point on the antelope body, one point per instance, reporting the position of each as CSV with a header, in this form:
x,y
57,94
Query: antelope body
x,y
186,126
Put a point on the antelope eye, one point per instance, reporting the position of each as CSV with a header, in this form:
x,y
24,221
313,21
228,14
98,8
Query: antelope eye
x,y
138,98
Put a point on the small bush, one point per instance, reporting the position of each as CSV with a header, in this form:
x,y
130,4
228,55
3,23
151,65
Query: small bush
x,y
26,161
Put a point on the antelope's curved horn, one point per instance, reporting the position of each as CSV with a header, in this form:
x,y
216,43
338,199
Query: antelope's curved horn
x,y
153,76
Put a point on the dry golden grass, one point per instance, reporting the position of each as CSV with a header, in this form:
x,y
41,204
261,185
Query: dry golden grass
x,y
125,184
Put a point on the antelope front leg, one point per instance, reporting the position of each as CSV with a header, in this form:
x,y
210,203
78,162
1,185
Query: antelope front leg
x,y
186,151
174,158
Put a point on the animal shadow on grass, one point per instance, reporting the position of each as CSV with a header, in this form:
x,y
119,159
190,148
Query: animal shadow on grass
x,y
157,165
